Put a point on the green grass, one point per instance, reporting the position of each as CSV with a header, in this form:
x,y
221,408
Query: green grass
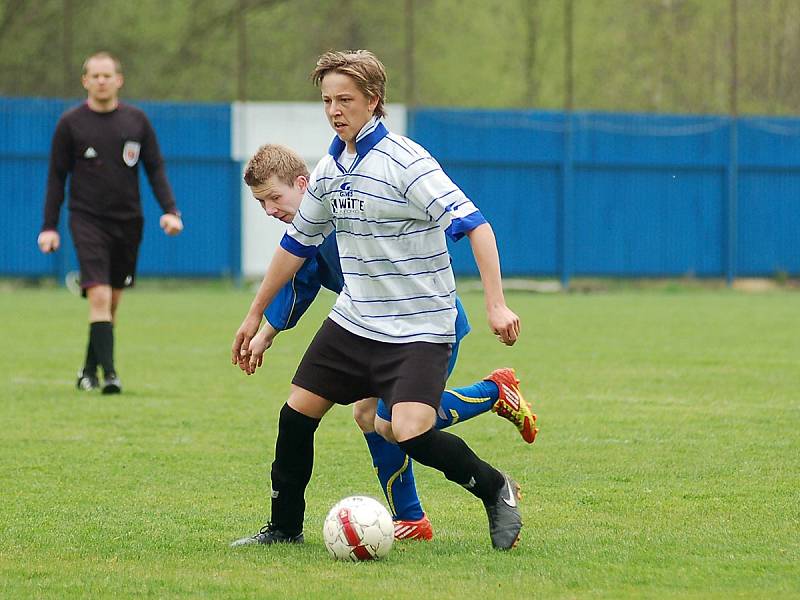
x,y
668,463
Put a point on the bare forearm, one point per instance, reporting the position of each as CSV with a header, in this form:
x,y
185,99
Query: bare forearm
x,y
484,248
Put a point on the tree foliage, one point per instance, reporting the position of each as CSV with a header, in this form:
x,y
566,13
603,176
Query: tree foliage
x,y
641,55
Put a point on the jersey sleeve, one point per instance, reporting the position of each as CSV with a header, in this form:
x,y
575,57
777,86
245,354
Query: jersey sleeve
x,y
462,322
329,265
313,222
428,187
295,297
155,169
321,270
61,163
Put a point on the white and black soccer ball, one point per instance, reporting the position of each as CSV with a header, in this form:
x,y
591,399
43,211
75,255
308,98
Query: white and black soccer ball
x,y
358,528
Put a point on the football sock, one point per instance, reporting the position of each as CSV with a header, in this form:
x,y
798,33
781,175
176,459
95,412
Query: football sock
x,y
291,469
101,339
396,474
451,455
464,403
90,364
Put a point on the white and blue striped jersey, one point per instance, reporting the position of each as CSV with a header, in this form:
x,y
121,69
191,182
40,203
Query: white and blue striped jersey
x,y
390,211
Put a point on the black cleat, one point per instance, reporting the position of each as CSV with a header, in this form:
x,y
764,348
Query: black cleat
x,y
112,384
505,521
270,535
87,382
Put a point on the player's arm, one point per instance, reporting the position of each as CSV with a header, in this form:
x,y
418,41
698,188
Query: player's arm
x,y
283,312
170,222
281,269
61,163
502,321
431,189
312,224
294,299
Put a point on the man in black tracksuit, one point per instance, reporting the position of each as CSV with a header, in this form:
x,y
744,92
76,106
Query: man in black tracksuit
x,y
100,144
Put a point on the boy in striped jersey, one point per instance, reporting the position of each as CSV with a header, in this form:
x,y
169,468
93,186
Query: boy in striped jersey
x,y
391,331
278,178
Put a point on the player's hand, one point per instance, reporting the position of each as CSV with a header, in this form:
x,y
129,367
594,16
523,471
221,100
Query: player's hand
x,y
49,241
504,324
258,345
241,342
171,224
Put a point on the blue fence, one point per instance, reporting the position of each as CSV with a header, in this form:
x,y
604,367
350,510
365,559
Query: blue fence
x,y
195,141
582,194
625,195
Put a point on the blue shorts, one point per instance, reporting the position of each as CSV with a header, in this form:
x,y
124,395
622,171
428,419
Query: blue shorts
x,y
383,411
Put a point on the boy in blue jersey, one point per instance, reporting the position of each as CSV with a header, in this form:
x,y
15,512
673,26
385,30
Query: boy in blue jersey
x,y
391,331
278,178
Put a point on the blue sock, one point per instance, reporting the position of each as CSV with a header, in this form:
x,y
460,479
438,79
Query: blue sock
x,y
395,472
464,403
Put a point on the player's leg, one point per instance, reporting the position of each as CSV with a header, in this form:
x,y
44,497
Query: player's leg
x,y
125,238
499,392
116,298
291,469
331,371
456,460
101,332
94,247
420,373
461,404
396,475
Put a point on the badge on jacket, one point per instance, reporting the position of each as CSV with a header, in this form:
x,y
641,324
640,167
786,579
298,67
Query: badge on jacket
x,y
130,153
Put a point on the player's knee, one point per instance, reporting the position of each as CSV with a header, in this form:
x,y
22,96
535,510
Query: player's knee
x,y
410,419
364,415
384,429
308,403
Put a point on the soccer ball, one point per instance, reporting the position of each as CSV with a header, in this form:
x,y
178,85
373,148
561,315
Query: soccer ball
x,y
358,528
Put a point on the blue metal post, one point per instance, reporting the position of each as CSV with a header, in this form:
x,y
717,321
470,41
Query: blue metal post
x,y
730,226
566,207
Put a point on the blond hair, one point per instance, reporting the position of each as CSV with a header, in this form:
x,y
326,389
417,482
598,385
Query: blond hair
x,y
362,66
103,54
274,159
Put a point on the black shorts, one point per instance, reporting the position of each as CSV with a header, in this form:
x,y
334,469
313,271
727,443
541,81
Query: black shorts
x,y
343,367
107,249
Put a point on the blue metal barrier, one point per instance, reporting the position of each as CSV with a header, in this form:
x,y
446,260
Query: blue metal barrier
x,y
581,194
624,194
195,142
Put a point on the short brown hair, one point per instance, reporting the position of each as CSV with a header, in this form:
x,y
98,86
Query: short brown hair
x,y
363,66
274,159
103,54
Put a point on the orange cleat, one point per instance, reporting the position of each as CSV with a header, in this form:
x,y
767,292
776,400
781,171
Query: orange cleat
x,y
511,405
414,530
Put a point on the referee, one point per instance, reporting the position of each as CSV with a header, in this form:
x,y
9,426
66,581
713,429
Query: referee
x,y
99,144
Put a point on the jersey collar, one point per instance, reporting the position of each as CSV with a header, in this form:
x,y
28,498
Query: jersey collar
x,y
372,133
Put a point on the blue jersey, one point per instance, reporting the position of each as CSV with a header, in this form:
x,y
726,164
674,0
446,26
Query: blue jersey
x,y
324,270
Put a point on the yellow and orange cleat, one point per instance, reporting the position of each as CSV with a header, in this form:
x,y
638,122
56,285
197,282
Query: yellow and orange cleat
x,y
511,405
414,530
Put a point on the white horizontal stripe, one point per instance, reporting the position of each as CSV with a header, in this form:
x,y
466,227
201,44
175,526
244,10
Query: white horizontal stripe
x,y
399,284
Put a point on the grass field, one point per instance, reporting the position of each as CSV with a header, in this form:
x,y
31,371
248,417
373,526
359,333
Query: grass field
x,y
668,463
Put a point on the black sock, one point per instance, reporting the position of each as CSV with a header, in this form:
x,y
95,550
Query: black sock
x,y
451,455
90,364
291,470
101,338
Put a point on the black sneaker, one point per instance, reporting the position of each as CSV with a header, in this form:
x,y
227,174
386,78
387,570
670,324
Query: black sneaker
x,y
505,521
270,535
112,384
87,382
